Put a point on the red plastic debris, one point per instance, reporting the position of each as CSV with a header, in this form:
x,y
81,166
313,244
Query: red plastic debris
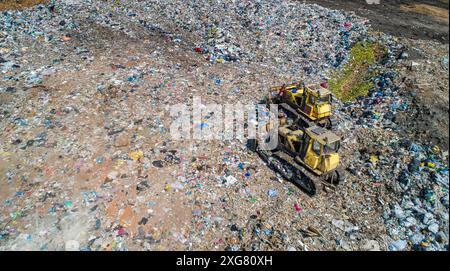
x,y
121,232
197,50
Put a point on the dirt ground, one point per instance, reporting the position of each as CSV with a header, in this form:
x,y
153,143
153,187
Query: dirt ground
x,y
429,83
18,4
393,16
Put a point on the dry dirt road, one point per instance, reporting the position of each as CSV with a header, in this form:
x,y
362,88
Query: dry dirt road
x,y
423,19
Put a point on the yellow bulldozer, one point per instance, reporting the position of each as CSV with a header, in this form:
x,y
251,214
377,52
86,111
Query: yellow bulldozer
x,y
312,103
305,156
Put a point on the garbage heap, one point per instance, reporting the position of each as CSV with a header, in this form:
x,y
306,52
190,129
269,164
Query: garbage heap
x,y
87,161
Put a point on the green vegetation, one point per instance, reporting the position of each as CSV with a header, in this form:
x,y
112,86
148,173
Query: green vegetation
x,y
354,79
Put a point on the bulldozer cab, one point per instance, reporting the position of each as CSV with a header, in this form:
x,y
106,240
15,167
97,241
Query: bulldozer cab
x,y
316,102
320,149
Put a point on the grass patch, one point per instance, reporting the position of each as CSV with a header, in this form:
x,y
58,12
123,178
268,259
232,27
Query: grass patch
x,y
19,4
355,78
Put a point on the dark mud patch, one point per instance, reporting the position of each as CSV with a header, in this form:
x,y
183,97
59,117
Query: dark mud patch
x,y
393,18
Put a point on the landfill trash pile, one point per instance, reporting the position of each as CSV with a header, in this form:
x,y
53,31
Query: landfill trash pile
x,y
87,161
269,30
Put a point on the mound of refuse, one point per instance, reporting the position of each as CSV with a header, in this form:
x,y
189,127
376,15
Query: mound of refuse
x,y
85,90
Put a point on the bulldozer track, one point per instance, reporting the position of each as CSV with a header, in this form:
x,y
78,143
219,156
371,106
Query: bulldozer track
x,y
290,170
